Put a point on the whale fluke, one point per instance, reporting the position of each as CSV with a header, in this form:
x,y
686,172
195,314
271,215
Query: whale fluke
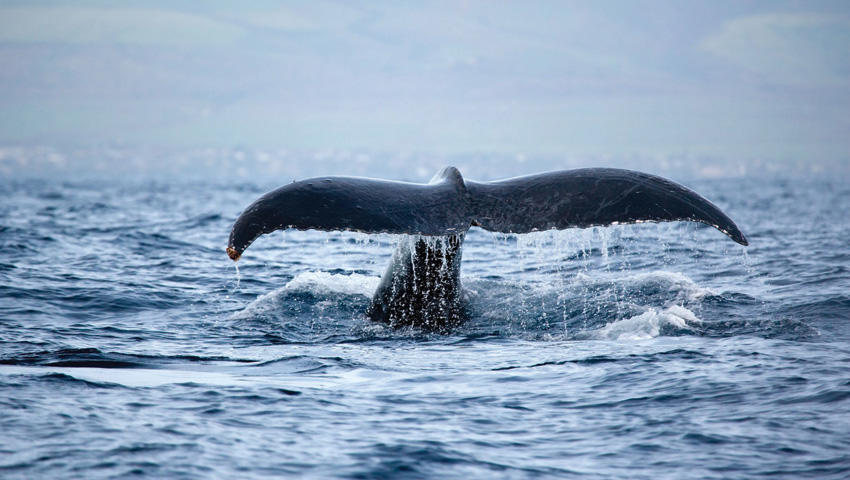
x,y
590,197
421,286
357,204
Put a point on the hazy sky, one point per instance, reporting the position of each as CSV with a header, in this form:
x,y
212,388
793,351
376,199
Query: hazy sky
x,y
743,79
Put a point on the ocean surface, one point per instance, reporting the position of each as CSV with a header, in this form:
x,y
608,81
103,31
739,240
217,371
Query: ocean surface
x,y
131,346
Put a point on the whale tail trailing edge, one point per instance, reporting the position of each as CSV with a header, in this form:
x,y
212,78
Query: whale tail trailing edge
x,y
449,205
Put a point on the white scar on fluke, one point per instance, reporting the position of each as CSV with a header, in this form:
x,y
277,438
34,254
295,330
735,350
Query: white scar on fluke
x,y
421,286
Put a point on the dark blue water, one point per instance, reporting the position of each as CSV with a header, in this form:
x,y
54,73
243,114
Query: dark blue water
x,y
130,345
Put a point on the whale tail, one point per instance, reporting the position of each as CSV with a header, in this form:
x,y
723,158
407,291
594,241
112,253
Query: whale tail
x,y
421,286
449,205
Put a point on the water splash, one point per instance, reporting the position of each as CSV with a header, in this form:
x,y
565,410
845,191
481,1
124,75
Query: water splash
x,y
238,275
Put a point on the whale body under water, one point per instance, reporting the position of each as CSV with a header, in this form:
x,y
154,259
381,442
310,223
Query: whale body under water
x,y
421,286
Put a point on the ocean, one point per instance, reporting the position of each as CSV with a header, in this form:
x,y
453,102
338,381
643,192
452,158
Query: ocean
x,y
131,346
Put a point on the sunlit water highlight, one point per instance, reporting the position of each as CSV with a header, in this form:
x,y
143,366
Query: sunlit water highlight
x,y
129,344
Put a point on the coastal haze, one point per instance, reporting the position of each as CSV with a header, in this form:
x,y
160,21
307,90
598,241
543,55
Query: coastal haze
x,y
699,89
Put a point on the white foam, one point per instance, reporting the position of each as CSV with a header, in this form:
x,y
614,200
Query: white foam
x,y
324,283
318,283
648,324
